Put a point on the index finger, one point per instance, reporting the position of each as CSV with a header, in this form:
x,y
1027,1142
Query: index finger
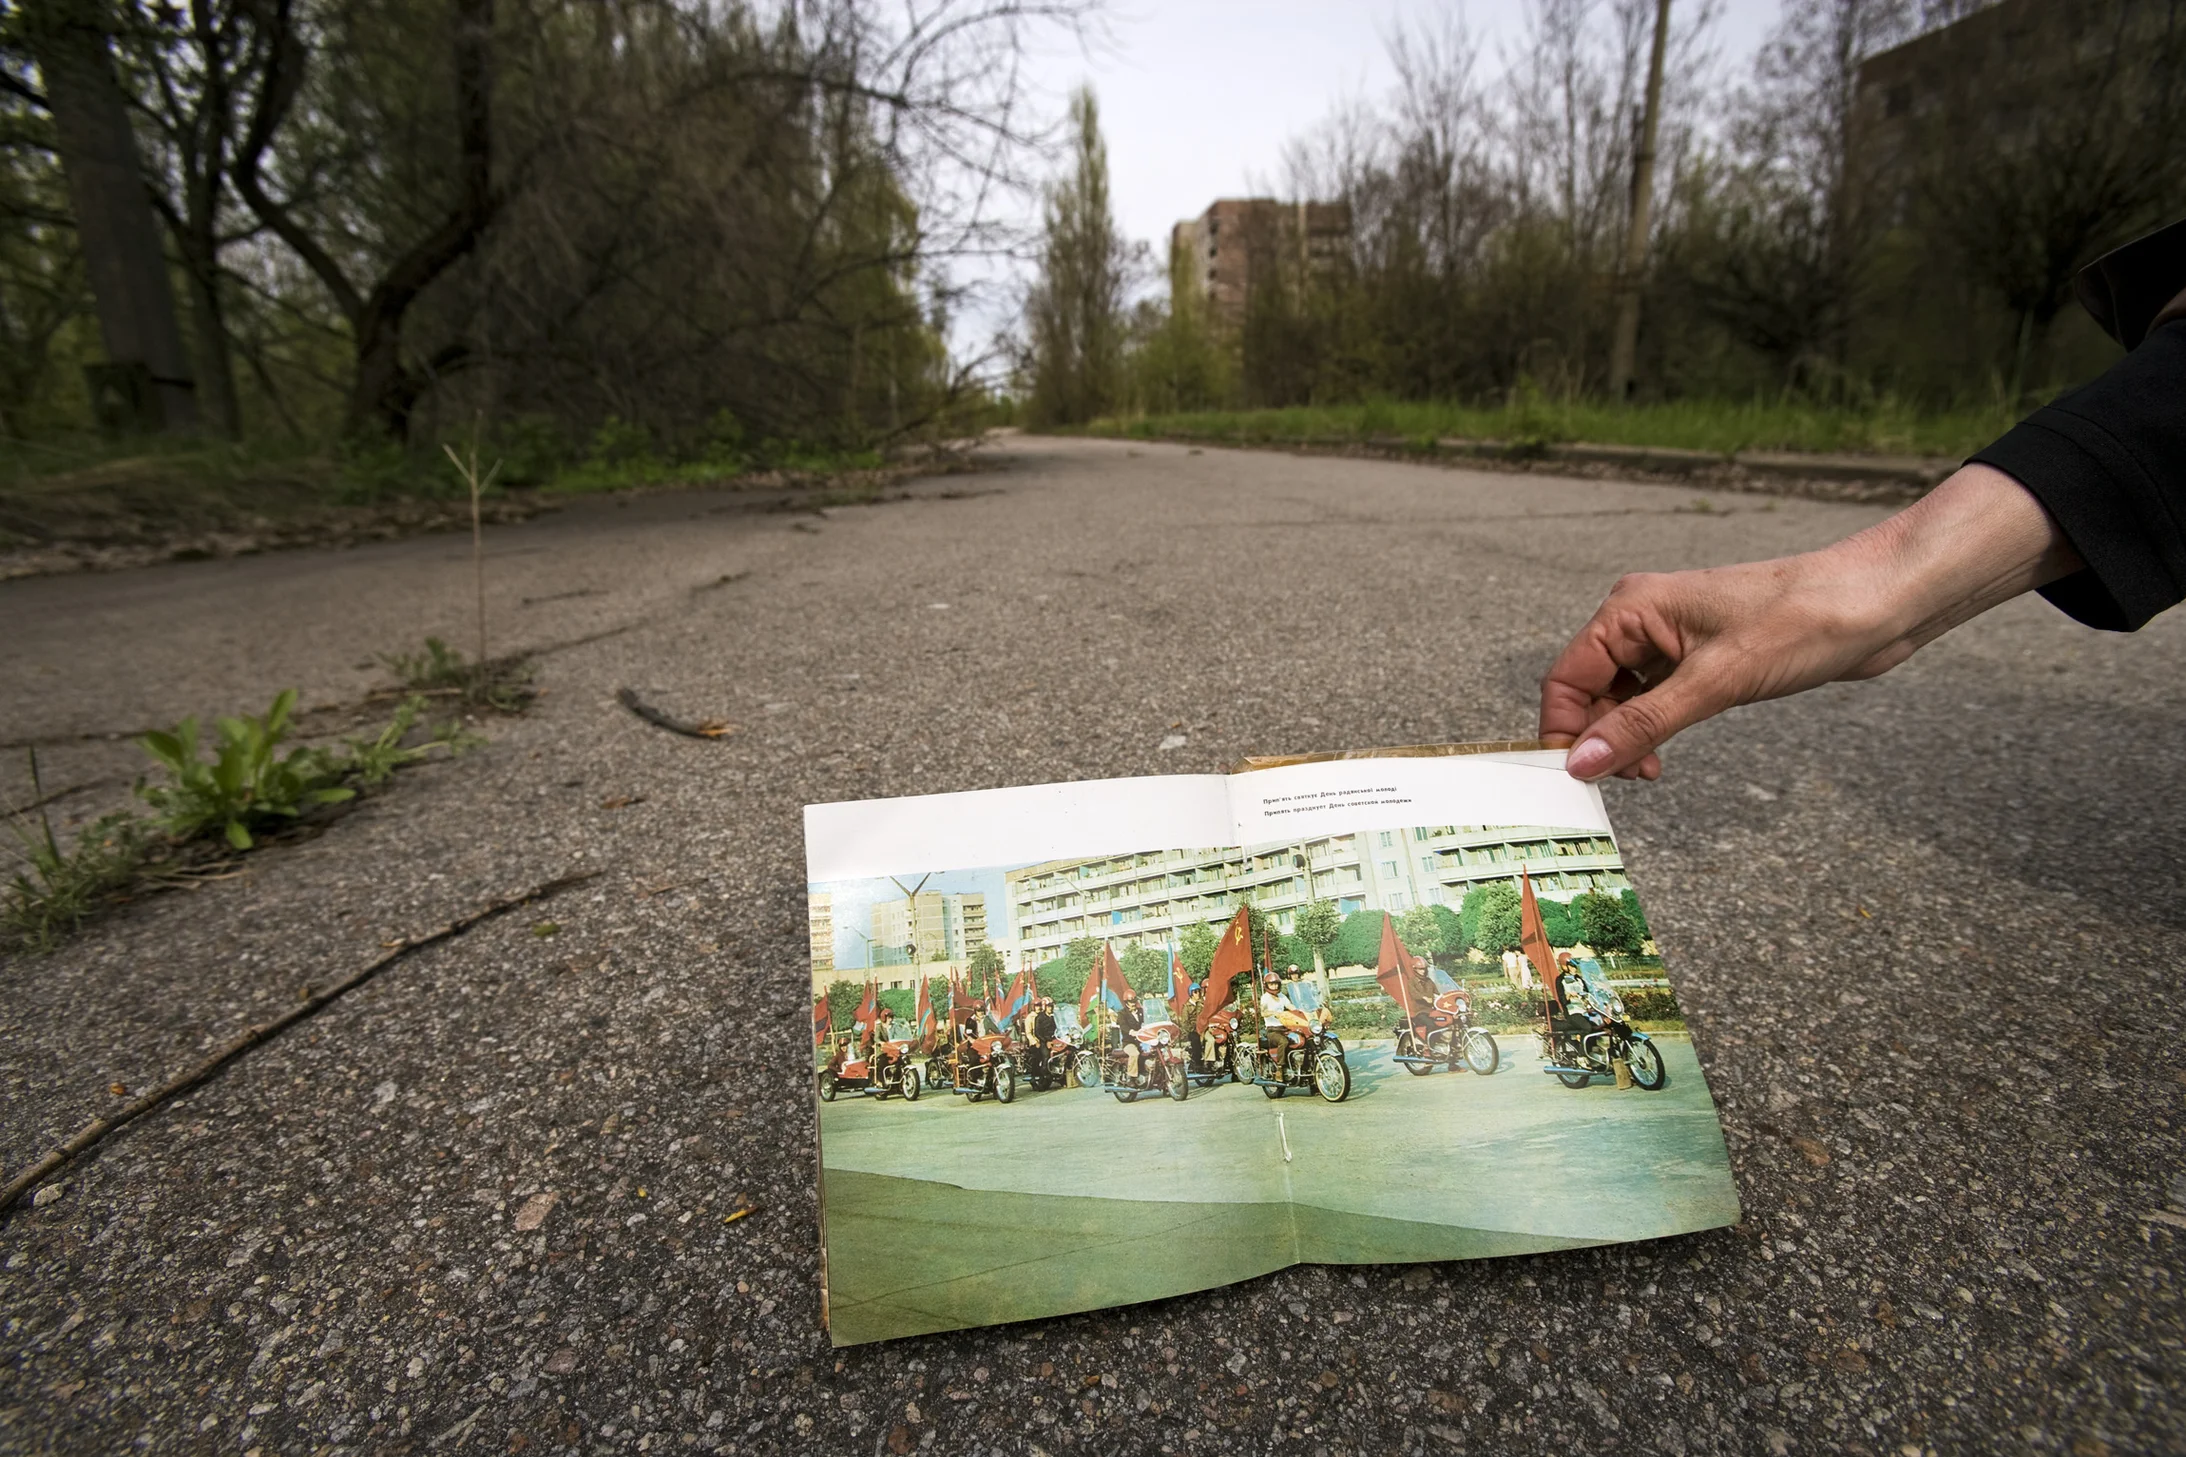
x,y
1619,638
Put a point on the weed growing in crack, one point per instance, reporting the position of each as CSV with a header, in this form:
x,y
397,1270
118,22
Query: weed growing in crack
x,y
372,760
249,783
501,684
58,890
205,810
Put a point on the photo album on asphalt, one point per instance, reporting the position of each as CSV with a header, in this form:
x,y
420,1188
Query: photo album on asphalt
x,y
1080,1045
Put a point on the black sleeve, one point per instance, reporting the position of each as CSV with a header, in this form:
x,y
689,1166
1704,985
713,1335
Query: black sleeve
x,y
2108,461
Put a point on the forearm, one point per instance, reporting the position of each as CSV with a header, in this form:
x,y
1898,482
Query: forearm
x,y
1977,540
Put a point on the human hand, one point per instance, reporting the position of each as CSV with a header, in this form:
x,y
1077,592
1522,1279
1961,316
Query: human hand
x,y
1667,650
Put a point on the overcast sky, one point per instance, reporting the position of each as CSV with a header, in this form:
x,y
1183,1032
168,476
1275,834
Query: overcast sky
x,y
1198,96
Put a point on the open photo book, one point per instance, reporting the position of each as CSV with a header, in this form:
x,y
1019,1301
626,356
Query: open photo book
x,y
1080,1045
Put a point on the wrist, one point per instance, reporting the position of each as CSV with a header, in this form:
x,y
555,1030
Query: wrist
x,y
1975,541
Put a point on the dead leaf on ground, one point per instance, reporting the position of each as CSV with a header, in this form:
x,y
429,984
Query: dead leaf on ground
x,y
119,1090
1811,1150
621,801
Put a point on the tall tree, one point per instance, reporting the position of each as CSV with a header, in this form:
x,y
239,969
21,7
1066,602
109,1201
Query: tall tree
x,y
112,209
197,58
1424,931
2037,155
1317,923
1196,947
1801,230
1603,920
1075,311
387,384
1626,341
1491,916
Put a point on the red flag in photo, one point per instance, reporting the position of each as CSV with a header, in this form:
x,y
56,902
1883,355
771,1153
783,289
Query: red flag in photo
x,y
867,1020
1533,940
820,1020
1180,988
1009,1005
963,1006
925,1016
1398,971
1104,983
1232,960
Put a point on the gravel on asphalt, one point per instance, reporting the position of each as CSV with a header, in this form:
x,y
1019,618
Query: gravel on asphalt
x,y
550,1186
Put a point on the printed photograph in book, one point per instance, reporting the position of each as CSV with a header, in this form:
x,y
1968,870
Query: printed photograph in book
x,y
1079,1083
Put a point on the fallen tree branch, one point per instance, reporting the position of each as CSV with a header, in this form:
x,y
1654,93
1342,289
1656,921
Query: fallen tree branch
x,y
705,728
98,1128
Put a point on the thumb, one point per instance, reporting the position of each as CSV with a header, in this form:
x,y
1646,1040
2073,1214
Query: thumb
x,y
1640,725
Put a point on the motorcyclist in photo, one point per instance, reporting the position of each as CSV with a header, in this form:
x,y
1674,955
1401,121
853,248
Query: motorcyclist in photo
x,y
1039,1031
1578,1019
1323,1017
1279,1018
1128,1021
884,1037
964,1052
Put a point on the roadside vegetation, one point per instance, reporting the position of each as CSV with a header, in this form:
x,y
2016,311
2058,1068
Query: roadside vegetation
x,y
1837,251
1716,426
208,799
649,244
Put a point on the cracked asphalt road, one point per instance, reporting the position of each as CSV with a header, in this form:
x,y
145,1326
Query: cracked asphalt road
x,y
1928,930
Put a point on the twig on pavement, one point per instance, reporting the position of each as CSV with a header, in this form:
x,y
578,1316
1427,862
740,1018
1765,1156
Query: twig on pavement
x,y
705,728
98,1128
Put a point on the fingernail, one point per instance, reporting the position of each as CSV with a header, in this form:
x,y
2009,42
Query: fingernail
x,y
1589,759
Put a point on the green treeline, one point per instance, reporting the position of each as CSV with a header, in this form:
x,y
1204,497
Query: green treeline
x,y
613,233
1487,922
1882,216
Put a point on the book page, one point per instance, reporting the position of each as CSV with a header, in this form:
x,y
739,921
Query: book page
x,y
1491,968
1392,1009
972,1173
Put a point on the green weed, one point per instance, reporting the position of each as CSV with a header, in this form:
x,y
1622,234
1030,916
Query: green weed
x,y
501,684
372,760
248,784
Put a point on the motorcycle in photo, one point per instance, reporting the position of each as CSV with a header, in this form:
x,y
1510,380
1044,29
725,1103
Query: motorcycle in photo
x,y
1217,1060
1442,1035
1161,1066
1314,1060
888,1072
1051,1066
977,1067
1595,1035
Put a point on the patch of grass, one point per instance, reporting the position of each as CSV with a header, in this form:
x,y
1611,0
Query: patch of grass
x,y
57,890
1888,427
153,491
501,684
248,787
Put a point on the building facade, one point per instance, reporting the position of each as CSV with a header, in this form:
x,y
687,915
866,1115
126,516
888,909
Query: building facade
x,y
1236,240
820,918
1151,897
931,926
